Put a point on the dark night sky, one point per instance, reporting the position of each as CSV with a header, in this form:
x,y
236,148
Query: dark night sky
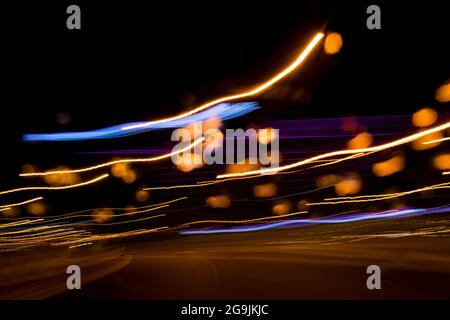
x,y
132,61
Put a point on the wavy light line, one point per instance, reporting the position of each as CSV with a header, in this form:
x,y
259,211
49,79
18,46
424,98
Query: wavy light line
x,y
103,176
223,111
110,163
245,94
20,203
122,130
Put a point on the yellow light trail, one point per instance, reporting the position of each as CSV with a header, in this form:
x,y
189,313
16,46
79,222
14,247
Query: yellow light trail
x,y
80,245
30,230
39,238
137,210
446,172
103,176
110,163
282,74
378,197
15,224
58,234
436,140
210,182
129,221
78,214
43,235
54,235
339,153
183,186
142,211
329,162
239,221
53,219
8,206
111,236
201,183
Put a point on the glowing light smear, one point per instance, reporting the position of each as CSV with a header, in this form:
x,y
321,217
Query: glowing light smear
x,y
329,220
437,140
224,111
381,147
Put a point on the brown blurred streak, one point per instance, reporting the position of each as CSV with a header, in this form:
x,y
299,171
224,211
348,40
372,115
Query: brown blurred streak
x,y
41,273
